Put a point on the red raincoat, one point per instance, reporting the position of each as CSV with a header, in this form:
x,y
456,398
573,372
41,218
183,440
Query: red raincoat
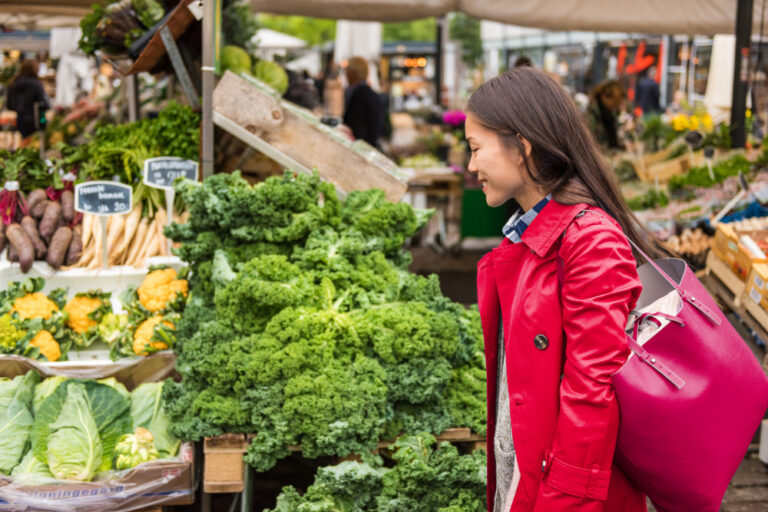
x,y
564,412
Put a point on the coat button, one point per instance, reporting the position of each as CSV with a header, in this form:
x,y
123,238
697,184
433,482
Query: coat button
x,y
541,341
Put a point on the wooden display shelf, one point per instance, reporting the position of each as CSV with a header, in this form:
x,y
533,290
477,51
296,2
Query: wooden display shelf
x,y
726,276
179,20
224,469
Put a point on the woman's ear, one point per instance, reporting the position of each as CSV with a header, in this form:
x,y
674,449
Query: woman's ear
x,y
526,145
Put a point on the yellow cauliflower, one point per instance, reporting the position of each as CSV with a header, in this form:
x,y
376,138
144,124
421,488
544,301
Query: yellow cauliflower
x,y
161,287
142,338
34,305
79,308
47,345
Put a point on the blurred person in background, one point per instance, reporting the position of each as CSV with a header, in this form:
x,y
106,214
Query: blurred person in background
x,y
24,92
647,92
363,113
603,114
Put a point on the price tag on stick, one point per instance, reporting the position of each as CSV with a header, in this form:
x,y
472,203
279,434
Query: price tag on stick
x,y
161,172
103,198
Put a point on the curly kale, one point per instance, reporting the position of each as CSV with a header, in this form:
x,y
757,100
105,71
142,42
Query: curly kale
x,y
304,327
425,478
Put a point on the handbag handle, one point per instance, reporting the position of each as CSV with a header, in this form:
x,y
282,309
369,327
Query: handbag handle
x,y
703,309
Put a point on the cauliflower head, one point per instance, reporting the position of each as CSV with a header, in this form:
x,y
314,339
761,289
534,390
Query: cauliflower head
x,y
10,334
34,305
80,311
143,337
160,288
48,346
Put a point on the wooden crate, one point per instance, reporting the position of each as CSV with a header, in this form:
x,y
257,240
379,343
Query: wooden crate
x,y
718,268
223,470
295,138
664,170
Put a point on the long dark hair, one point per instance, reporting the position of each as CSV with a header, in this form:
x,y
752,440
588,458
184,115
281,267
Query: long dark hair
x,y
28,68
565,159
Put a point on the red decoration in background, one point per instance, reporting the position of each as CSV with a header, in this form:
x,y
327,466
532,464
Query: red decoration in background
x,y
620,58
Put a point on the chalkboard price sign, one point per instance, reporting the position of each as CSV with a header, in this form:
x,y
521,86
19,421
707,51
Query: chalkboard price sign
x,y
103,198
161,172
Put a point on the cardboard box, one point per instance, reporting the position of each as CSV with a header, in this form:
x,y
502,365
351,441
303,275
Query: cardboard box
x,y
744,259
726,244
757,285
166,482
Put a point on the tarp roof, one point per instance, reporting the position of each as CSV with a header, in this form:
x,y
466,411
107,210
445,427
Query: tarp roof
x,y
693,17
704,17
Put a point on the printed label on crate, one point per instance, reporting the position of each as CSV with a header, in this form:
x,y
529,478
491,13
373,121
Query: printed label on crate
x,y
733,246
755,295
103,198
759,282
161,172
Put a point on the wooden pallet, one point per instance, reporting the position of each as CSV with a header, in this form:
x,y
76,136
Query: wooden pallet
x,y
224,469
718,268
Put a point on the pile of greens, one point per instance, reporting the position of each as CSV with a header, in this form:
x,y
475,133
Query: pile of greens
x,y
69,429
651,199
698,177
425,478
304,326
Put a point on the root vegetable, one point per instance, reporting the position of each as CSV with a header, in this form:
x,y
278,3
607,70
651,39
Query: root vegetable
x,y
2,237
38,210
13,256
87,229
138,241
114,234
30,227
22,245
36,196
67,206
57,251
75,250
131,227
50,220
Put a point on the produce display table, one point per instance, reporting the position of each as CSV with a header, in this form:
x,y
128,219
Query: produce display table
x,y
225,472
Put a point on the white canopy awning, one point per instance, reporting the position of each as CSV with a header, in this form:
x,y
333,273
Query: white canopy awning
x,y
266,38
703,17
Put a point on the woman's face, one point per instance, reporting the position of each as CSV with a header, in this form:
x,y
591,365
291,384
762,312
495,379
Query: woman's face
x,y
500,169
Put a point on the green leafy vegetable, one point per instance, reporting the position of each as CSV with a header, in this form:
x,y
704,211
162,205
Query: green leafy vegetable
x,y
31,471
147,412
16,419
74,450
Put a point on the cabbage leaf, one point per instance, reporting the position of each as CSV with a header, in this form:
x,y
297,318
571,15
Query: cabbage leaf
x,y
74,448
147,412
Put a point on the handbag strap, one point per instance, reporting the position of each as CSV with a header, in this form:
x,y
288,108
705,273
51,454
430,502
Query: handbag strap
x,y
634,346
701,307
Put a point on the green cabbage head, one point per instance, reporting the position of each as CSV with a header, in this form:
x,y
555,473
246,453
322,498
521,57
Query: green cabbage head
x,y
74,448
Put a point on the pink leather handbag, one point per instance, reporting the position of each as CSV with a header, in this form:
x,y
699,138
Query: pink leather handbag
x,y
691,398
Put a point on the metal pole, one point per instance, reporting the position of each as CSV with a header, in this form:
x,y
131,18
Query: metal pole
x,y
741,73
132,94
439,60
207,127
666,47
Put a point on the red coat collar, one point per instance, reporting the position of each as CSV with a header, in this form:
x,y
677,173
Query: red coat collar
x,y
549,225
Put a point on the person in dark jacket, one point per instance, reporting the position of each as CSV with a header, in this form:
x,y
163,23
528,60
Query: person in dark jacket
x,y
647,93
24,92
362,109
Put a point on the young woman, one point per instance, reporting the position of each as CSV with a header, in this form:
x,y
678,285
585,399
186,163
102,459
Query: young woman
x,y
554,300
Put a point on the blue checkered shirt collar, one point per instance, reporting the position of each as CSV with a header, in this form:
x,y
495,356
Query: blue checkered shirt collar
x,y
519,222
